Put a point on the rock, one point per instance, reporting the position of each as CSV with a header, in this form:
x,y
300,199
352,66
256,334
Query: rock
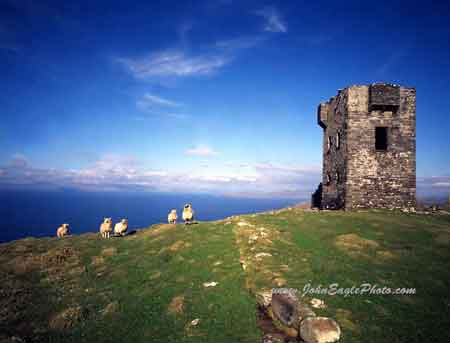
x,y
304,311
155,275
284,308
273,338
264,298
176,305
68,318
109,251
110,308
289,310
258,256
279,281
12,339
319,330
317,303
210,284
195,322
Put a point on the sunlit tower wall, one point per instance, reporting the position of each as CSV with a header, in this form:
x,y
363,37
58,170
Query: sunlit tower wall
x,y
369,148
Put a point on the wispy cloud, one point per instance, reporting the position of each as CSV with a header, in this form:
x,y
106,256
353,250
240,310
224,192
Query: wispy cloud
x,y
392,60
201,150
174,63
273,20
235,44
159,106
151,100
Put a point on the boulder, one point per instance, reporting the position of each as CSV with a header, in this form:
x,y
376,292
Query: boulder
x,y
319,330
273,338
264,298
289,310
284,308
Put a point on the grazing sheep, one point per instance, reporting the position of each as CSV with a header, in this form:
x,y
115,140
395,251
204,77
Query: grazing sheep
x,y
121,228
106,227
172,217
62,231
188,214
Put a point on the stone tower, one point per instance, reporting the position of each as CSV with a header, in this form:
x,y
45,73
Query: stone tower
x,y
369,148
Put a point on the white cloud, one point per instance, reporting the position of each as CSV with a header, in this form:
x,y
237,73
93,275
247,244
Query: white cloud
x,y
441,184
274,21
174,63
118,172
201,150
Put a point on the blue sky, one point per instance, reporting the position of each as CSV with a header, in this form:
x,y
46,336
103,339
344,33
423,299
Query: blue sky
x,y
206,96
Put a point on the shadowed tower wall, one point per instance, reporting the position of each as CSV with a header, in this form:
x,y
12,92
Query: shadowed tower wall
x,y
369,147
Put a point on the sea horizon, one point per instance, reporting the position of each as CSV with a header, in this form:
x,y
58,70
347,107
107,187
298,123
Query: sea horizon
x,y
31,213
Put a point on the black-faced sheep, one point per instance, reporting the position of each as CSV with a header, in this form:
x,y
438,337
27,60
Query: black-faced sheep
x,y
188,214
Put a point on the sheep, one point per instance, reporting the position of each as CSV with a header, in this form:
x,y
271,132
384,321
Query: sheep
x,y
121,228
188,214
106,227
172,217
62,231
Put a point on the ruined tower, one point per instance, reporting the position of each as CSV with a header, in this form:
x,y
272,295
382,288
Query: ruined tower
x,y
369,148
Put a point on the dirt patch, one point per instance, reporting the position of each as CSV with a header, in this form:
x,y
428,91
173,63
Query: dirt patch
x,y
385,254
55,263
110,308
97,260
158,229
180,279
23,264
155,275
354,244
178,245
77,271
68,318
109,251
176,305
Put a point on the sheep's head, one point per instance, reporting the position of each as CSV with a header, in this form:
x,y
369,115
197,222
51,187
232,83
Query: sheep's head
x,y
124,221
107,220
187,206
173,211
65,226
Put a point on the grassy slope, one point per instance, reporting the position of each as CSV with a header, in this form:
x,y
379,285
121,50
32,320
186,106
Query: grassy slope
x,y
140,275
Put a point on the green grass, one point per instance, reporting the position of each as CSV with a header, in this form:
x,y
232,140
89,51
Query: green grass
x,y
141,275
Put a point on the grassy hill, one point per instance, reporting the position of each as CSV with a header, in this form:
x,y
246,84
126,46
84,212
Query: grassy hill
x,y
150,286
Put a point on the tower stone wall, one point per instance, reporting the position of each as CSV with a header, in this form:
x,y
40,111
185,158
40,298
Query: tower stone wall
x,y
369,147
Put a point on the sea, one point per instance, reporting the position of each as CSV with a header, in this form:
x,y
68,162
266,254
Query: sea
x,y
39,213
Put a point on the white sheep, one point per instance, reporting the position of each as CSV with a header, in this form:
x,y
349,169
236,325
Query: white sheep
x,y
62,231
188,214
106,227
121,227
172,217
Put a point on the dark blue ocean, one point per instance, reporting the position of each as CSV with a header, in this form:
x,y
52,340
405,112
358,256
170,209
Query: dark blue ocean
x,y
38,214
